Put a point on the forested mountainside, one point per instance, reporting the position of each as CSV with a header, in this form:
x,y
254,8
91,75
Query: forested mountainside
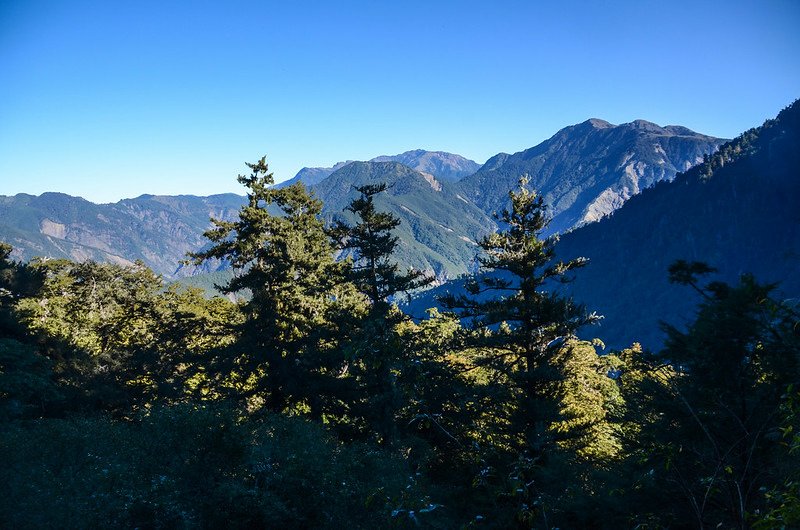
x,y
738,211
588,170
438,227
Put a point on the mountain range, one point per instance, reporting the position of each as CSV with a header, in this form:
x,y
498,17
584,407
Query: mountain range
x,y
158,230
445,201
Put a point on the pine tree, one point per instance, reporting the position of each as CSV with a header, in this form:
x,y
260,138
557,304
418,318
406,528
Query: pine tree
x,y
8,280
27,385
372,243
521,338
17,280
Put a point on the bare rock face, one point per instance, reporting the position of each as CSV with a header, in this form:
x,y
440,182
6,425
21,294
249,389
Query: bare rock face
x,y
52,229
430,179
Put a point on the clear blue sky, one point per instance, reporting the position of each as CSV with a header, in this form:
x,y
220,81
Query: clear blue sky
x,y
114,99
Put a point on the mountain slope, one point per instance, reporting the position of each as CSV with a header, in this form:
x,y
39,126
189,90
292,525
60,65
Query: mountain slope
x,y
158,230
588,170
438,227
738,211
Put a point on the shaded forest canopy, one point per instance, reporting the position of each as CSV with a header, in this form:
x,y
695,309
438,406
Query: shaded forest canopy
x,y
317,402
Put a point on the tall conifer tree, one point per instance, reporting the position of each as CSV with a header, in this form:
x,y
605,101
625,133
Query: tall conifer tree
x,y
523,331
378,352
284,258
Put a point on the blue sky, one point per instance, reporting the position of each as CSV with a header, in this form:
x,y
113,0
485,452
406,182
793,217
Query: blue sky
x,y
108,100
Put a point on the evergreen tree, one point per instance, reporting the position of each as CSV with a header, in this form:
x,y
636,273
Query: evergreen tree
x,y
8,286
27,386
376,349
17,281
7,277
371,243
523,339
284,261
116,336
525,330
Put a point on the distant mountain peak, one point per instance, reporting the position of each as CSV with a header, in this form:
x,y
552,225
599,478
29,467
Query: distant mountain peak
x,y
442,165
649,127
313,175
597,123
640,125
418,152
337,165
680,130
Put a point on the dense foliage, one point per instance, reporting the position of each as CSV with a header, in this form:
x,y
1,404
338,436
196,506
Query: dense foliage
x,y
314,401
